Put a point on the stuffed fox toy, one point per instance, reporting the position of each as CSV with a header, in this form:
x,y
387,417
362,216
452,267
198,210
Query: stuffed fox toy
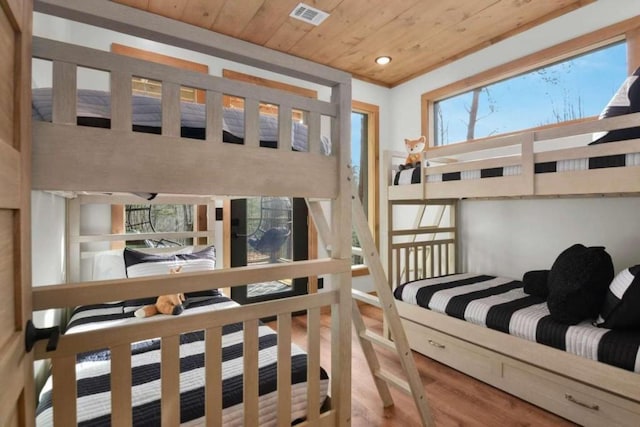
x,y
165,304
414,151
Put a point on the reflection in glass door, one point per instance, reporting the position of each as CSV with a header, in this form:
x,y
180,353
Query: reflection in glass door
x,y
268,230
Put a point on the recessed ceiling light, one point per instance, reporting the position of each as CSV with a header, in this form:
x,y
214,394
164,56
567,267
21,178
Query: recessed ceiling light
x,y
383,60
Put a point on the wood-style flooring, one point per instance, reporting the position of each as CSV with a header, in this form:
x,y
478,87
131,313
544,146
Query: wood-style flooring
x,y
455,398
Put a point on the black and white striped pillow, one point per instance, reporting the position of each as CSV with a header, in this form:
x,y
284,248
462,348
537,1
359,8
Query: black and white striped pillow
x,y
620,308
625,101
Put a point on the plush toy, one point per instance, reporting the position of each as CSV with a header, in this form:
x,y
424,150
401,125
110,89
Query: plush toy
x,y
414,148
165,304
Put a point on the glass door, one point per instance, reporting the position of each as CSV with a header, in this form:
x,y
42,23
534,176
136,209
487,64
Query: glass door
x,y
268,230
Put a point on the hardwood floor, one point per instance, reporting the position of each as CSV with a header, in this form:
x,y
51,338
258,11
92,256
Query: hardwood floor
x,y
455,398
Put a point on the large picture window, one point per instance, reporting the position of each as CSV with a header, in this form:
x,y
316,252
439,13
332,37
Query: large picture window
x,y
569,82
571,89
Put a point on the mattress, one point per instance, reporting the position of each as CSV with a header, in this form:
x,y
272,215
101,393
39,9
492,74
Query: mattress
x,y
94,109
501,304
92,372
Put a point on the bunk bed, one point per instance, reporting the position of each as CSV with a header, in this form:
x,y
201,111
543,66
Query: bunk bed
x,y
215,362
471,321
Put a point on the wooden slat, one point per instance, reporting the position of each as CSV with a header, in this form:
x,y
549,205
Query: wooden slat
x,y
250,373
121,107
214,117
284,127
313,133
121,414
213,376
394,380
284,370
366,298
407,264
90,159
170,109
64,390
378,340
432,273
398,269
72,294
64,93
170,373
9,177
313,364
251,122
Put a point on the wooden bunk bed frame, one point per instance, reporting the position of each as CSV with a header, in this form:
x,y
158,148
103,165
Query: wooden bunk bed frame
x,y
75,159
524,150
582,390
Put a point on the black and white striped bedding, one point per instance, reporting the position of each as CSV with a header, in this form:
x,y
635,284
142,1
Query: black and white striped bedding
x,y
412,176
407,176
93,383
94,109
615,161
501,304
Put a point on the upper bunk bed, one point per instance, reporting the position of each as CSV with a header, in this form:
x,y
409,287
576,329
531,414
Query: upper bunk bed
x,y
90,155
556,161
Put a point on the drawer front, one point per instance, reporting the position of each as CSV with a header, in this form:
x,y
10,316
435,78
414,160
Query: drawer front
x,y
570,399
452,352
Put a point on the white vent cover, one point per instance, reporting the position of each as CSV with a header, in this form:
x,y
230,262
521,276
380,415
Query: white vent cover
x,y
308,14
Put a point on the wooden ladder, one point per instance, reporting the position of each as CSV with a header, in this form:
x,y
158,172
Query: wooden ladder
x,y
412,385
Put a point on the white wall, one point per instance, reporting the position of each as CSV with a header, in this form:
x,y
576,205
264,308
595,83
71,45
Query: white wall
x,y
511,237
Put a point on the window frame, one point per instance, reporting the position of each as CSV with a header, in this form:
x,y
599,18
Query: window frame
x,y
373,159
628,30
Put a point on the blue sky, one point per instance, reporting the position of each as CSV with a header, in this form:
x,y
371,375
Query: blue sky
x,y
583,85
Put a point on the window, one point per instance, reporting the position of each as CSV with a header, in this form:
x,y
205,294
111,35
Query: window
x,y
156,218
364,160
572,81
572,89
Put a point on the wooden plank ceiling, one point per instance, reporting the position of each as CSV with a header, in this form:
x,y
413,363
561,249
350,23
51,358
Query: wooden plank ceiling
x,y
419,35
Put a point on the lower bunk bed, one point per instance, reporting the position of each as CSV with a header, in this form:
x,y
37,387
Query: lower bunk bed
x,y
490,329
93,371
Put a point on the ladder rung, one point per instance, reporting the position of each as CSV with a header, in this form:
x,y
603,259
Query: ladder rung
x,y
366,298
378,339
394,380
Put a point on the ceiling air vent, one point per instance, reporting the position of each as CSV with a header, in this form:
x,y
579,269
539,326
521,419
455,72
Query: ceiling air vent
x,y
308,14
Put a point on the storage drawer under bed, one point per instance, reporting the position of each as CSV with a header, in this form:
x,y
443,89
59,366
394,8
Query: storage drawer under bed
x,y
568,398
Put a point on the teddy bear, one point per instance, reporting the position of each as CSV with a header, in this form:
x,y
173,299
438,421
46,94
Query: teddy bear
x,y
165,304
414,148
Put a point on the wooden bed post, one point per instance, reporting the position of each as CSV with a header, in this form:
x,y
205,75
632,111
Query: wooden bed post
x,y
341,249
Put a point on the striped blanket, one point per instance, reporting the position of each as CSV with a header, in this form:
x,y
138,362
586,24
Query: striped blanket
x,y
501,304
93,381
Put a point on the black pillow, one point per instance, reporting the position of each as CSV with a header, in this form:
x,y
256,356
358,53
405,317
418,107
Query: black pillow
x,y
621,308
625,101
578,282
535,283
140,264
